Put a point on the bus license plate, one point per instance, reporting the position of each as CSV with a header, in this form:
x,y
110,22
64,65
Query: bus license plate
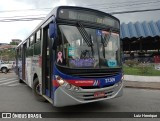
x,y
99,94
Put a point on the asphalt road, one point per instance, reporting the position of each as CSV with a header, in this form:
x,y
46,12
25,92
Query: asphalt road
x,y
19,98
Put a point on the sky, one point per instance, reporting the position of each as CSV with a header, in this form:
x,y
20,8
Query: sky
x,y
10,9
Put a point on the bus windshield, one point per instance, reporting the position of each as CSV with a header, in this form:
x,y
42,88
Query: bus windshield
x,y
88,48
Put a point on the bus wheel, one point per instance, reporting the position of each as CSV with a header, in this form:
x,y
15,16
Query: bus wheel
x,y
20,81
36,91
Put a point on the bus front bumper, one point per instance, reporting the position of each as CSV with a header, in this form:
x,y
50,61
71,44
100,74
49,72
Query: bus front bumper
x,y
65,97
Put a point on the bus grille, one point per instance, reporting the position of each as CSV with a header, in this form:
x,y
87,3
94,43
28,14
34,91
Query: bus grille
x,y
87,95
90,73
96,75
95,87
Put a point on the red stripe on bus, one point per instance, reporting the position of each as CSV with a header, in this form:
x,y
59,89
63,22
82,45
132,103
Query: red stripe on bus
x,y
40,61
81,82
55,83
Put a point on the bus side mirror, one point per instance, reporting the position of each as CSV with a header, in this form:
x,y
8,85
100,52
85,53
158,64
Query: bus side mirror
x,y
52,30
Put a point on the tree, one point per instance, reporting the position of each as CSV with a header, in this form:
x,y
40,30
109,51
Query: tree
x,y
13,43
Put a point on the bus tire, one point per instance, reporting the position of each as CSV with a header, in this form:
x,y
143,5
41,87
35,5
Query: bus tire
x,y
20,81
36,93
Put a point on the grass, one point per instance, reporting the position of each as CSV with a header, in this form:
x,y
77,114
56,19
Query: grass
x,y
136,70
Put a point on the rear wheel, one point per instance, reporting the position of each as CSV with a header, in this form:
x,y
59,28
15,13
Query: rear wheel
x,y
4,70
36,91
20,81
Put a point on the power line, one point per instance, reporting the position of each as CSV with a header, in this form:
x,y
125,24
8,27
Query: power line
x,y
41,18
23,16
135,11
37,9
110,3
133,8
100,5
129,5
119,3
21,19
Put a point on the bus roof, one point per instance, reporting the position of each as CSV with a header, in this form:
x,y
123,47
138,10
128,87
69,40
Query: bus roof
x,y
54,13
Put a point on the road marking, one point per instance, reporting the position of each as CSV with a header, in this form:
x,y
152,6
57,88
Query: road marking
x,y
2,79
8,82
14,84
11,82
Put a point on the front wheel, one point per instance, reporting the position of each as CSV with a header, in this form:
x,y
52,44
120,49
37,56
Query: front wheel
x,y
36,91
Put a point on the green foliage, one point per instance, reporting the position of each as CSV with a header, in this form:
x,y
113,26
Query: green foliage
x,y
141,69
13,43
7,55
131,63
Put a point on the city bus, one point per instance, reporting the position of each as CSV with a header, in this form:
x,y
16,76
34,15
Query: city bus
x,y
72,57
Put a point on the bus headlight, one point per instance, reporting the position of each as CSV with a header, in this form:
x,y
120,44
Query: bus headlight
x,y
60,80
119,83
68,86
76,88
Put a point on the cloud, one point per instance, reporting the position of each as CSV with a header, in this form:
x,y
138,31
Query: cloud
x,y
38,3
14,5
20,30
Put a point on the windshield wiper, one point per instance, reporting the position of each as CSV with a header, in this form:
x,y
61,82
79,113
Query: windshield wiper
x,y
87,38
105,40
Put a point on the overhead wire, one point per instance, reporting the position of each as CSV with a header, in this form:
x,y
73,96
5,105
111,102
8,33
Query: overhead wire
x,y
37,9
21,19
23,16
118,3
40,16
110,3
133,8
135,11
129,5
112,13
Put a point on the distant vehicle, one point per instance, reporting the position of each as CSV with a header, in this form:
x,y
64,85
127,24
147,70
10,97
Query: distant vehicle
x,y
13,63
72,57
4,68
157,67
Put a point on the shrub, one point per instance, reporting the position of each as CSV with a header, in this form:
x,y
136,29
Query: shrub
x,y
143,68
131,63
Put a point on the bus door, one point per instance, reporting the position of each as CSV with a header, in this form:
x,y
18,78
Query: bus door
x,y
17,56
24,61
46,63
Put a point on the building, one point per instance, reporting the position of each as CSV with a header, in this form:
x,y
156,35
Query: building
x,y
140,36
141,40
5,47
17,41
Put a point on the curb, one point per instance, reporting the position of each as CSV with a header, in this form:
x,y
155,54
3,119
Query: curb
x,y
142,85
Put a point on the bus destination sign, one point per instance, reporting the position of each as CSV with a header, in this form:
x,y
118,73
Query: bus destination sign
x,y
89,16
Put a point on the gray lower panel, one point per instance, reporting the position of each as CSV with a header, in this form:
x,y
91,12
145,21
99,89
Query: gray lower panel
x,y
65,97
